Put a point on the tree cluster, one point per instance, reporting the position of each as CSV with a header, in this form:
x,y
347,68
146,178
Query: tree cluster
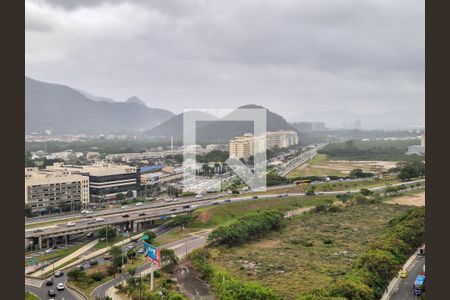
x,y
251,226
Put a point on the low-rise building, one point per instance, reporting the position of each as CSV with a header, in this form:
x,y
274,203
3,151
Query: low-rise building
x,y
45,190
105,180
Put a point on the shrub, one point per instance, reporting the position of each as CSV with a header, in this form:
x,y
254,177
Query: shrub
x,y
250,226
351,289
97,276
76,274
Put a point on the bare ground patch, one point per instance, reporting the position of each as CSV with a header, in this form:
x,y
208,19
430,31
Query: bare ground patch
x,y
190,284
415,199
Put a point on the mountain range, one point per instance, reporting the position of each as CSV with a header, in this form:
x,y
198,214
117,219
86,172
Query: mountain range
x,y
218,130
65,110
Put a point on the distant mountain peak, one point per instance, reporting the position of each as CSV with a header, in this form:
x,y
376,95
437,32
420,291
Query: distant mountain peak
x,y
251,106
65,110
135,99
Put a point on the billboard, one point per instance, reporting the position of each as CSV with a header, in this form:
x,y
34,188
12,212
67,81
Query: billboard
x,y
152,253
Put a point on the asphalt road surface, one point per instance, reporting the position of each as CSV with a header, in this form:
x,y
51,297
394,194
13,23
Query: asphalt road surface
x,y
180,248
39,288
403,290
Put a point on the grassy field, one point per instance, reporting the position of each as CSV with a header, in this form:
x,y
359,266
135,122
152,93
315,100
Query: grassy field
x,y
57,254
310,252
174,235
322,166
212,216
29,296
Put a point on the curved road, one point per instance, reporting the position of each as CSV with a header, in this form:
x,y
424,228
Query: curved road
x,y
39,288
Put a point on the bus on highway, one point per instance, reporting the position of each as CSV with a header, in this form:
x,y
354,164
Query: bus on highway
x,y
418,283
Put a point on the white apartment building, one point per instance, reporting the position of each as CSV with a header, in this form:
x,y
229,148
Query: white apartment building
x,y
242,146
47,189
246,145
281,139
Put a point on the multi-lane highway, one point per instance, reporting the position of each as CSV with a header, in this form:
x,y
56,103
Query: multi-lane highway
x,y
155,211
39,288
286,168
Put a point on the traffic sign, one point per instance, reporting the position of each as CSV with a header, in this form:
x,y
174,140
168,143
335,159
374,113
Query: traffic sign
x,y
152,253
145,237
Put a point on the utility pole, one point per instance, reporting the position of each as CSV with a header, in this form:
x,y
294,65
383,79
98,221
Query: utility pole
x,y
106,235
140,286
122,266
151,276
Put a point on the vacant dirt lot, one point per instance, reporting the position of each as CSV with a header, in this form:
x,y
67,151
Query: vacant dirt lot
x,y
322,166
416,200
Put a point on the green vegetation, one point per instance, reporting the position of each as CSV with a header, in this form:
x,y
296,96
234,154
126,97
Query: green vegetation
x,y
88,280
29,296
371,150
249,227
211,217
321,247
107,232
273,179
56,254
225,285
182,220
359,173
213,156
375,268
409,170
98,145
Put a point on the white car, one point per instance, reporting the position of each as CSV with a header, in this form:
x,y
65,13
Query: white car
x,y
139,204
49,250
124,207
88,211
60,286
99,220
198,196
71,224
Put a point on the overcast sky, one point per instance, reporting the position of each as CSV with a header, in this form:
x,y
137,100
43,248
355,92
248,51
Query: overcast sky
x,y
289,56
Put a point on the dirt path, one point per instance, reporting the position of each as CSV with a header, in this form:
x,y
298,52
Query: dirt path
x,y
189,283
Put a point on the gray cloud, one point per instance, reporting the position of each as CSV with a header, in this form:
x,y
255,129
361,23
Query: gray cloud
x,y
290,56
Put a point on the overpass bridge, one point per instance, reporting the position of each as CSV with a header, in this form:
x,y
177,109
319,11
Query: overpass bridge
x,y
131,220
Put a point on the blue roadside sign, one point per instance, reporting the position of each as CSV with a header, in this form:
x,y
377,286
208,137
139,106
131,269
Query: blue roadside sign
x,y
152,253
